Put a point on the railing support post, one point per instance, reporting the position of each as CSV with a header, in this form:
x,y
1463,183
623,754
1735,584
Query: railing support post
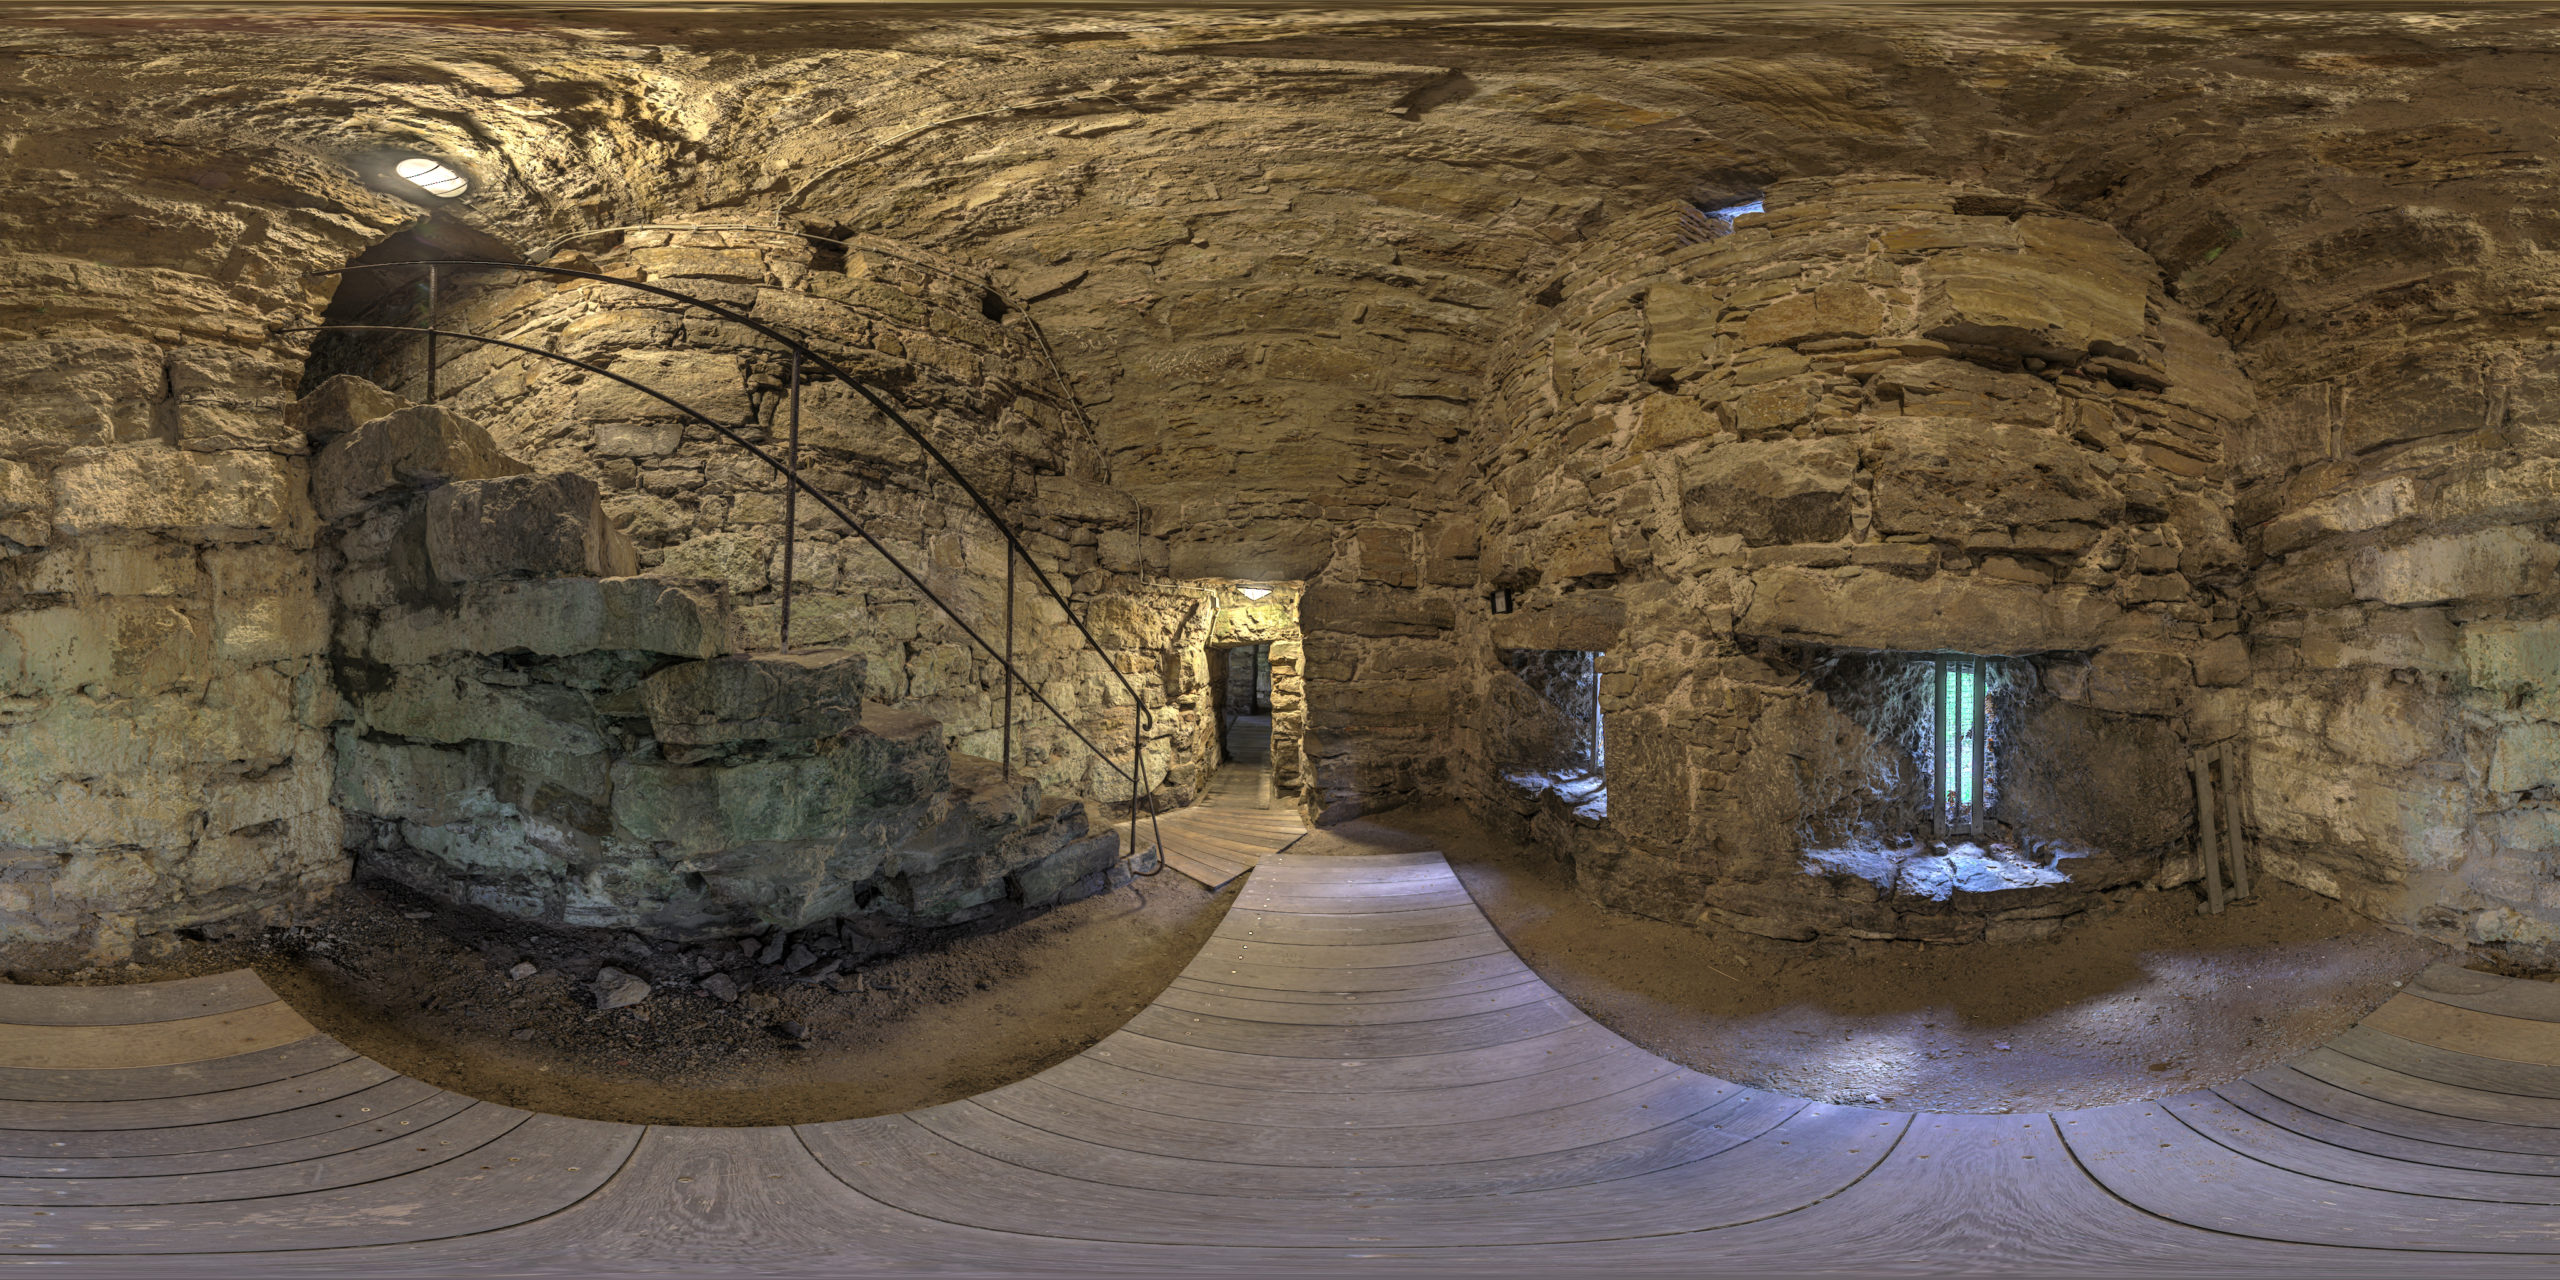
x,y
791,503
431,335
1137,769
1008,660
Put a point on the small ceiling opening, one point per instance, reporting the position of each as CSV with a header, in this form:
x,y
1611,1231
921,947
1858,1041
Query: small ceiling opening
x,y
1699,224
432,177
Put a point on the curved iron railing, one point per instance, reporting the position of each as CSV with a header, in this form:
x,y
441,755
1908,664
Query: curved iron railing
x,y
796,484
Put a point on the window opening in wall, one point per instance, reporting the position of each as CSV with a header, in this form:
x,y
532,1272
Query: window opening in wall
x,y
1960,747
1699,225
1554,737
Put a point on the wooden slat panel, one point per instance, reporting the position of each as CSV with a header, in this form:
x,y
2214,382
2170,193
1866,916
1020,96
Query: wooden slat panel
x,y
2445,1066
2250,1136
155,1044
1349,1013
2489,992
1579,1043
1393,955
352,1109
2143,1153
1248,1102
1353,999
542,1166
2485,1035
382,1124
2321,1127
213,1075
1409,977
2421,1094
458,1137
321,1086
2347,1094
1684,1140
1286,1040
107,1006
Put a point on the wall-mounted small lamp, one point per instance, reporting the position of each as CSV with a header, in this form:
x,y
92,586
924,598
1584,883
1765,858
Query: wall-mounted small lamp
x,y
432,177
1501,600
1253,593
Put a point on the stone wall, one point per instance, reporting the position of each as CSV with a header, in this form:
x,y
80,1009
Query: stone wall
x,y
964,364
1272,620
1887,415
164,762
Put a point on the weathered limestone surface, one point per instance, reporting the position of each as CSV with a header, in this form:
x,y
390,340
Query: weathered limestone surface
x,y
524,736
1888,415
1293,266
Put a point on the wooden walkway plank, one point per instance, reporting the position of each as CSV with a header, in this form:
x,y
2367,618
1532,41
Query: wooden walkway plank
x,y
2318,1125
320,1086
543,1165
2540,1117
2488,992
1394,1040
2143,1153
1675,1142
179,999
2446,1066
1578,1043
383,1124
1498,981
2484,1035
1203,1100
1186,999
55,1047
355,1108
2216,1118
1427,978
213,1075
459,1136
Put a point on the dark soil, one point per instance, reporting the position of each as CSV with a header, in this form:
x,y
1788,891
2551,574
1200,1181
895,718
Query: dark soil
x,y
426,991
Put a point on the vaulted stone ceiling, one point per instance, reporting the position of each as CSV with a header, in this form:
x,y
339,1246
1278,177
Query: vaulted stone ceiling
x,y
1270,247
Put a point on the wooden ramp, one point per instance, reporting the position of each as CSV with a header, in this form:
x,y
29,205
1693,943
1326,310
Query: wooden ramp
x,y
1237,821
1355,1076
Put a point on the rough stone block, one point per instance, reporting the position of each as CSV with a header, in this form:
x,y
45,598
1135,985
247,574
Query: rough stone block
x,y
1680,326
536,526
1950,477
2045,306
2411,400
1050,878
1872,609
126,646
2526,756
2509,655
770,697
2490,564
1776,491
450,703
1351,610
2223,662
1663,421
227,496
266,604
1836,310
1386,556
711,383
2372,506
2143,681
338,406
415,448
1943,388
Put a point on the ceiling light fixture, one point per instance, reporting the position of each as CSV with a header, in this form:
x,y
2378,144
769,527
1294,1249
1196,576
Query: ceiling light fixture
x,y
432,177
1253,593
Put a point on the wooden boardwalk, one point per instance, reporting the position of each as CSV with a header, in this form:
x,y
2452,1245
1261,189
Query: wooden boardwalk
x,y
1237,821
1355,1076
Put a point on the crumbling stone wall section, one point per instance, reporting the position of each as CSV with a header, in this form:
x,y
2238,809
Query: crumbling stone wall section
x,y
959,357
164,762
1889,414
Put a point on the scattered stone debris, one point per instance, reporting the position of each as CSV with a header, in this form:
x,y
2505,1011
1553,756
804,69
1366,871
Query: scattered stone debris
x,y
720,987
616,989
524,969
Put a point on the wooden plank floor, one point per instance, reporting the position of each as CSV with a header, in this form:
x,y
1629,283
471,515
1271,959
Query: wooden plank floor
x,y
1237,821
1355,1075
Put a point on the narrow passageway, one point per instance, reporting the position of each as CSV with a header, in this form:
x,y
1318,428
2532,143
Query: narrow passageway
x,y
1238,819
1355,1070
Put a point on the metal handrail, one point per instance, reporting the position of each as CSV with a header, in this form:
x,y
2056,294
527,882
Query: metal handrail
x,y
1146,719
893,249
1140,722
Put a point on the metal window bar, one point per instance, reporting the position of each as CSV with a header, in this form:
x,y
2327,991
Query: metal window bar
x,y
1959,743
1141,719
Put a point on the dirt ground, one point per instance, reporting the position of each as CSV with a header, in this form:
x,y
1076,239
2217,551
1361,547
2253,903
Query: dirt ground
x,y
2139,999
2144,1000
426,992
